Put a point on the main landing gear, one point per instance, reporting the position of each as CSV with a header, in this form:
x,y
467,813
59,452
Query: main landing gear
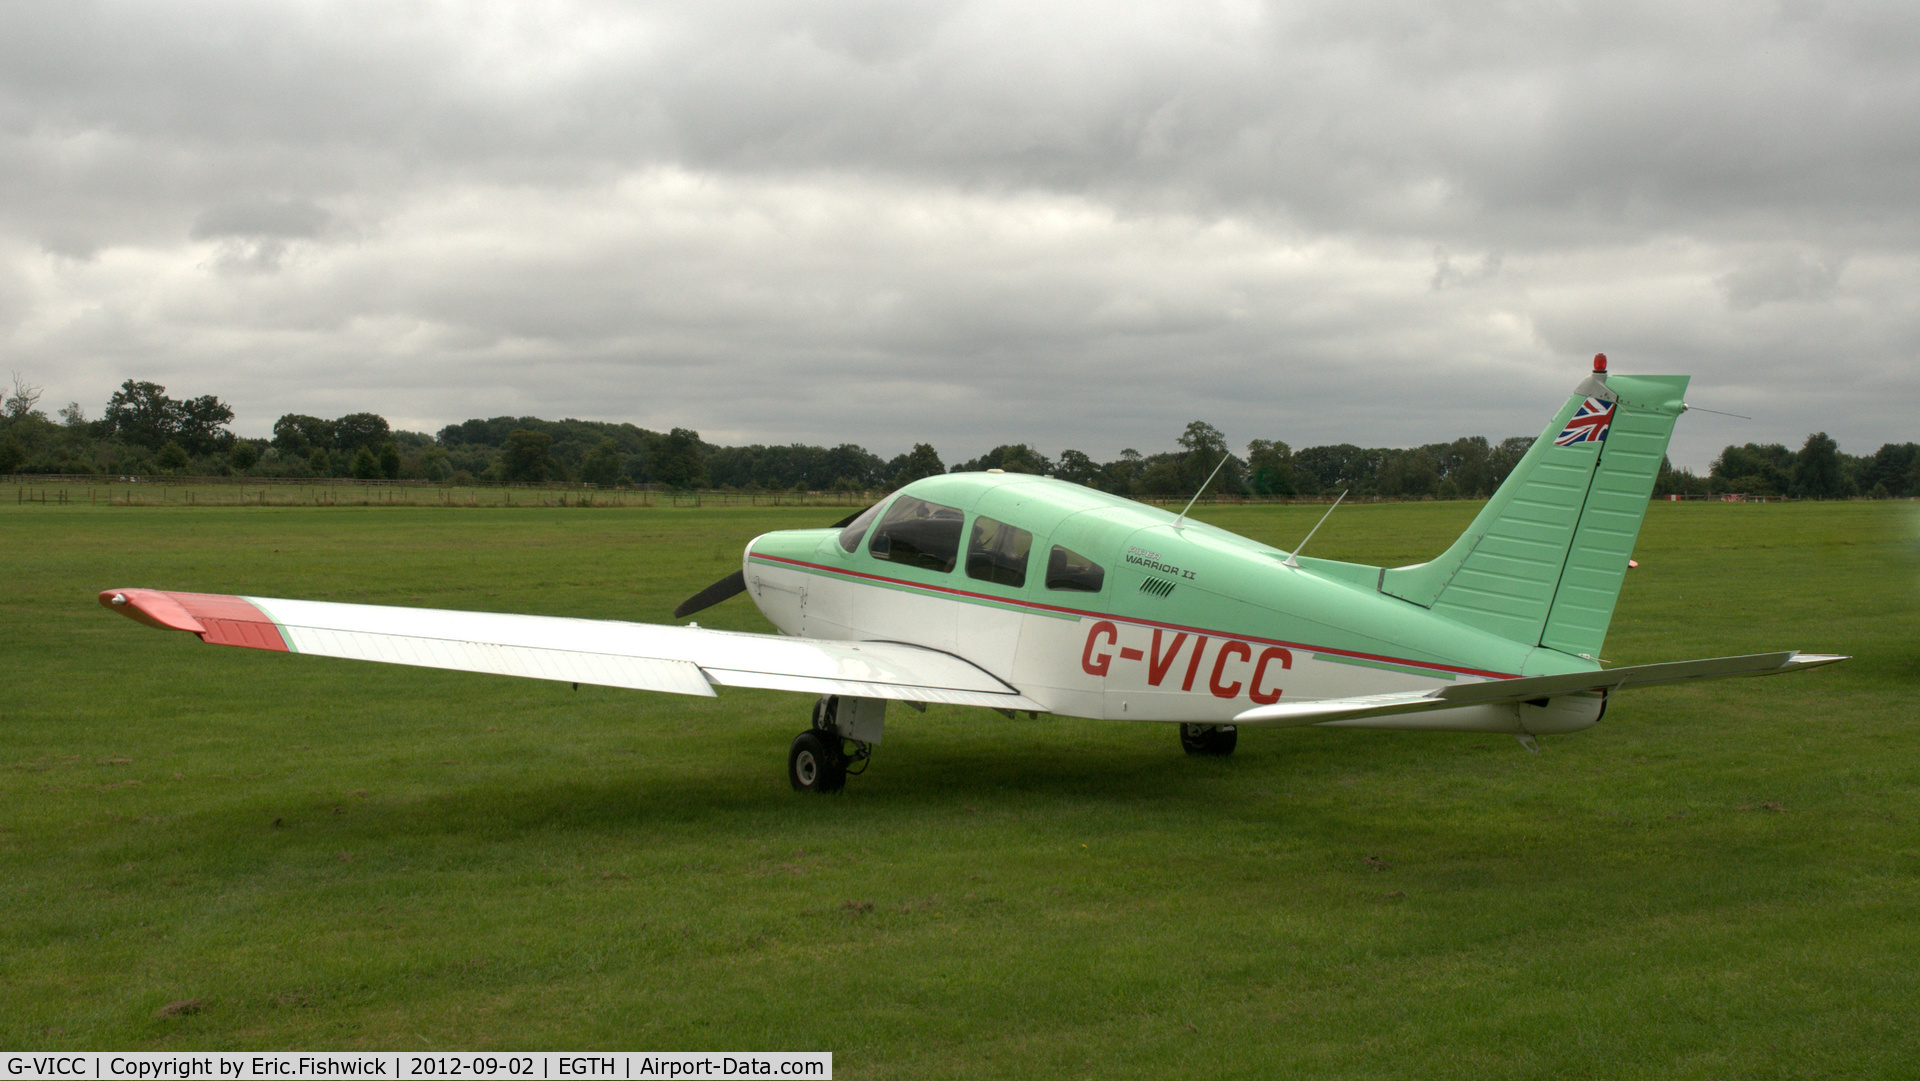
x,y
840,743
1215,740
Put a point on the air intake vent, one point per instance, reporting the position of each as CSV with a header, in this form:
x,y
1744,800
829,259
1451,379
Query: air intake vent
x,y
1159,587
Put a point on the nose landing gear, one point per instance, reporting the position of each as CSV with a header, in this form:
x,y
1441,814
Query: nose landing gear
x,y
839,744
815,764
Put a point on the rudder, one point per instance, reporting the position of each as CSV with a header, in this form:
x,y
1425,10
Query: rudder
x,y
1543,562
1616,506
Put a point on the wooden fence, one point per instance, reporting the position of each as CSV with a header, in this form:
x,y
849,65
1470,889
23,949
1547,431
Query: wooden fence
x,y
45,489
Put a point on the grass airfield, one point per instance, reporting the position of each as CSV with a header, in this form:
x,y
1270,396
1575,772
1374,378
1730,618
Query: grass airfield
x,y
1719,880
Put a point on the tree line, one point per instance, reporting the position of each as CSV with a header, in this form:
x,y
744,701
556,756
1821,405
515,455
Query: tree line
x,y
145,431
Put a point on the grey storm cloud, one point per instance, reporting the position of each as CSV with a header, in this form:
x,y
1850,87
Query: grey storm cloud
x,y
1781,276
1074,224
273,218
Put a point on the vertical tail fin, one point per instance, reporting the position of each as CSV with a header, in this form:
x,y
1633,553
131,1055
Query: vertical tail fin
x,y
1543,562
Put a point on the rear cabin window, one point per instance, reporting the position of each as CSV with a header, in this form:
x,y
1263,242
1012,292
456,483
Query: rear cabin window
x,y
1071,570
850,536
919,534
997,553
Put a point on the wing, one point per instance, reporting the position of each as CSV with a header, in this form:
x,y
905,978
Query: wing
x,y
608,653
1519,690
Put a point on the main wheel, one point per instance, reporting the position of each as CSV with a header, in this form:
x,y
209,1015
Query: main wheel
x,y
814,764
1216,740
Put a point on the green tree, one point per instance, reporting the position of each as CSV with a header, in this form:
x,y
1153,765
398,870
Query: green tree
x,y
1466,463
318,462
433,463
1671,481
1407,473
389,461
297,433
1270,467
1203,448
1889,467
921,461
1341,467
603,464
1504,457
1165,476
141,413
12,454
680,461
528,458
1752,468
365,465
1122,475
859,467
1077,467
172,456
1012,457
356,430
244,455
1816,469
202,424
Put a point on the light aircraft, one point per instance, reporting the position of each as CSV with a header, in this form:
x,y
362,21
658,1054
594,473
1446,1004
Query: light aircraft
x,y
1024,593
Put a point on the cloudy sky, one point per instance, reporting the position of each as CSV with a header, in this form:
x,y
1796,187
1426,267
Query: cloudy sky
x,y
1070,224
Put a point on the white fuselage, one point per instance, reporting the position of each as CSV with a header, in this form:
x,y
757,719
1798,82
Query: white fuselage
x,y
1107,666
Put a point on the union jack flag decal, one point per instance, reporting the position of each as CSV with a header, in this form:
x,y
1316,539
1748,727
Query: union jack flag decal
x,y
1589,424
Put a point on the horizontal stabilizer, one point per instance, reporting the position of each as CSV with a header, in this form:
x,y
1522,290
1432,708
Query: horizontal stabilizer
x,y
608,653
1288,714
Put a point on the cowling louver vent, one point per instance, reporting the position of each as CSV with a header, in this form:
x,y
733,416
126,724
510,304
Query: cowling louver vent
x,y
1159,587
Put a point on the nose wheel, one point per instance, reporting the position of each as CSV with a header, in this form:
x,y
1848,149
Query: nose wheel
x,y
820,758
1214,740
815,764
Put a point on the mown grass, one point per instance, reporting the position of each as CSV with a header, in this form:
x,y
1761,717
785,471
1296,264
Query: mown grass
x,y
1720,880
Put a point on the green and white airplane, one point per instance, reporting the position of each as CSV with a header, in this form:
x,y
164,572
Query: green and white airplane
x,y
1024,593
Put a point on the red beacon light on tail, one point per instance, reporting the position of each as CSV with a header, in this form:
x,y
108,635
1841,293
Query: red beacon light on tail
x,y
1599,364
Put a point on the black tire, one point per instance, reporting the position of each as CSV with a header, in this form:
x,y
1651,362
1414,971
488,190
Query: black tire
x,y
815,764
1212,740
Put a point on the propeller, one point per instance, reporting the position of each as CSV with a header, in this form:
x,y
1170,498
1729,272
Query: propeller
x,y
713,594
736,582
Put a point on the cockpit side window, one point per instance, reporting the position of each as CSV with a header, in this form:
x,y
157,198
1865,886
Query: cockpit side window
x,y
919,534
1071,570
997,553
850,536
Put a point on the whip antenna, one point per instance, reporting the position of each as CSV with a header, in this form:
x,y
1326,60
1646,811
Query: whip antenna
x,y
1202,491
1691,408
1295,563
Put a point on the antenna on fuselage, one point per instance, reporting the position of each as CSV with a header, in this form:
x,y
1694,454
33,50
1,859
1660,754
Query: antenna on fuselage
x,y
1691,408
1293,562
1202,491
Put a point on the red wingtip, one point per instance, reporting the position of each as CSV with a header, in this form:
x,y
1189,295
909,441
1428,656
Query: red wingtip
x,y
152,607
217,618
1599,364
